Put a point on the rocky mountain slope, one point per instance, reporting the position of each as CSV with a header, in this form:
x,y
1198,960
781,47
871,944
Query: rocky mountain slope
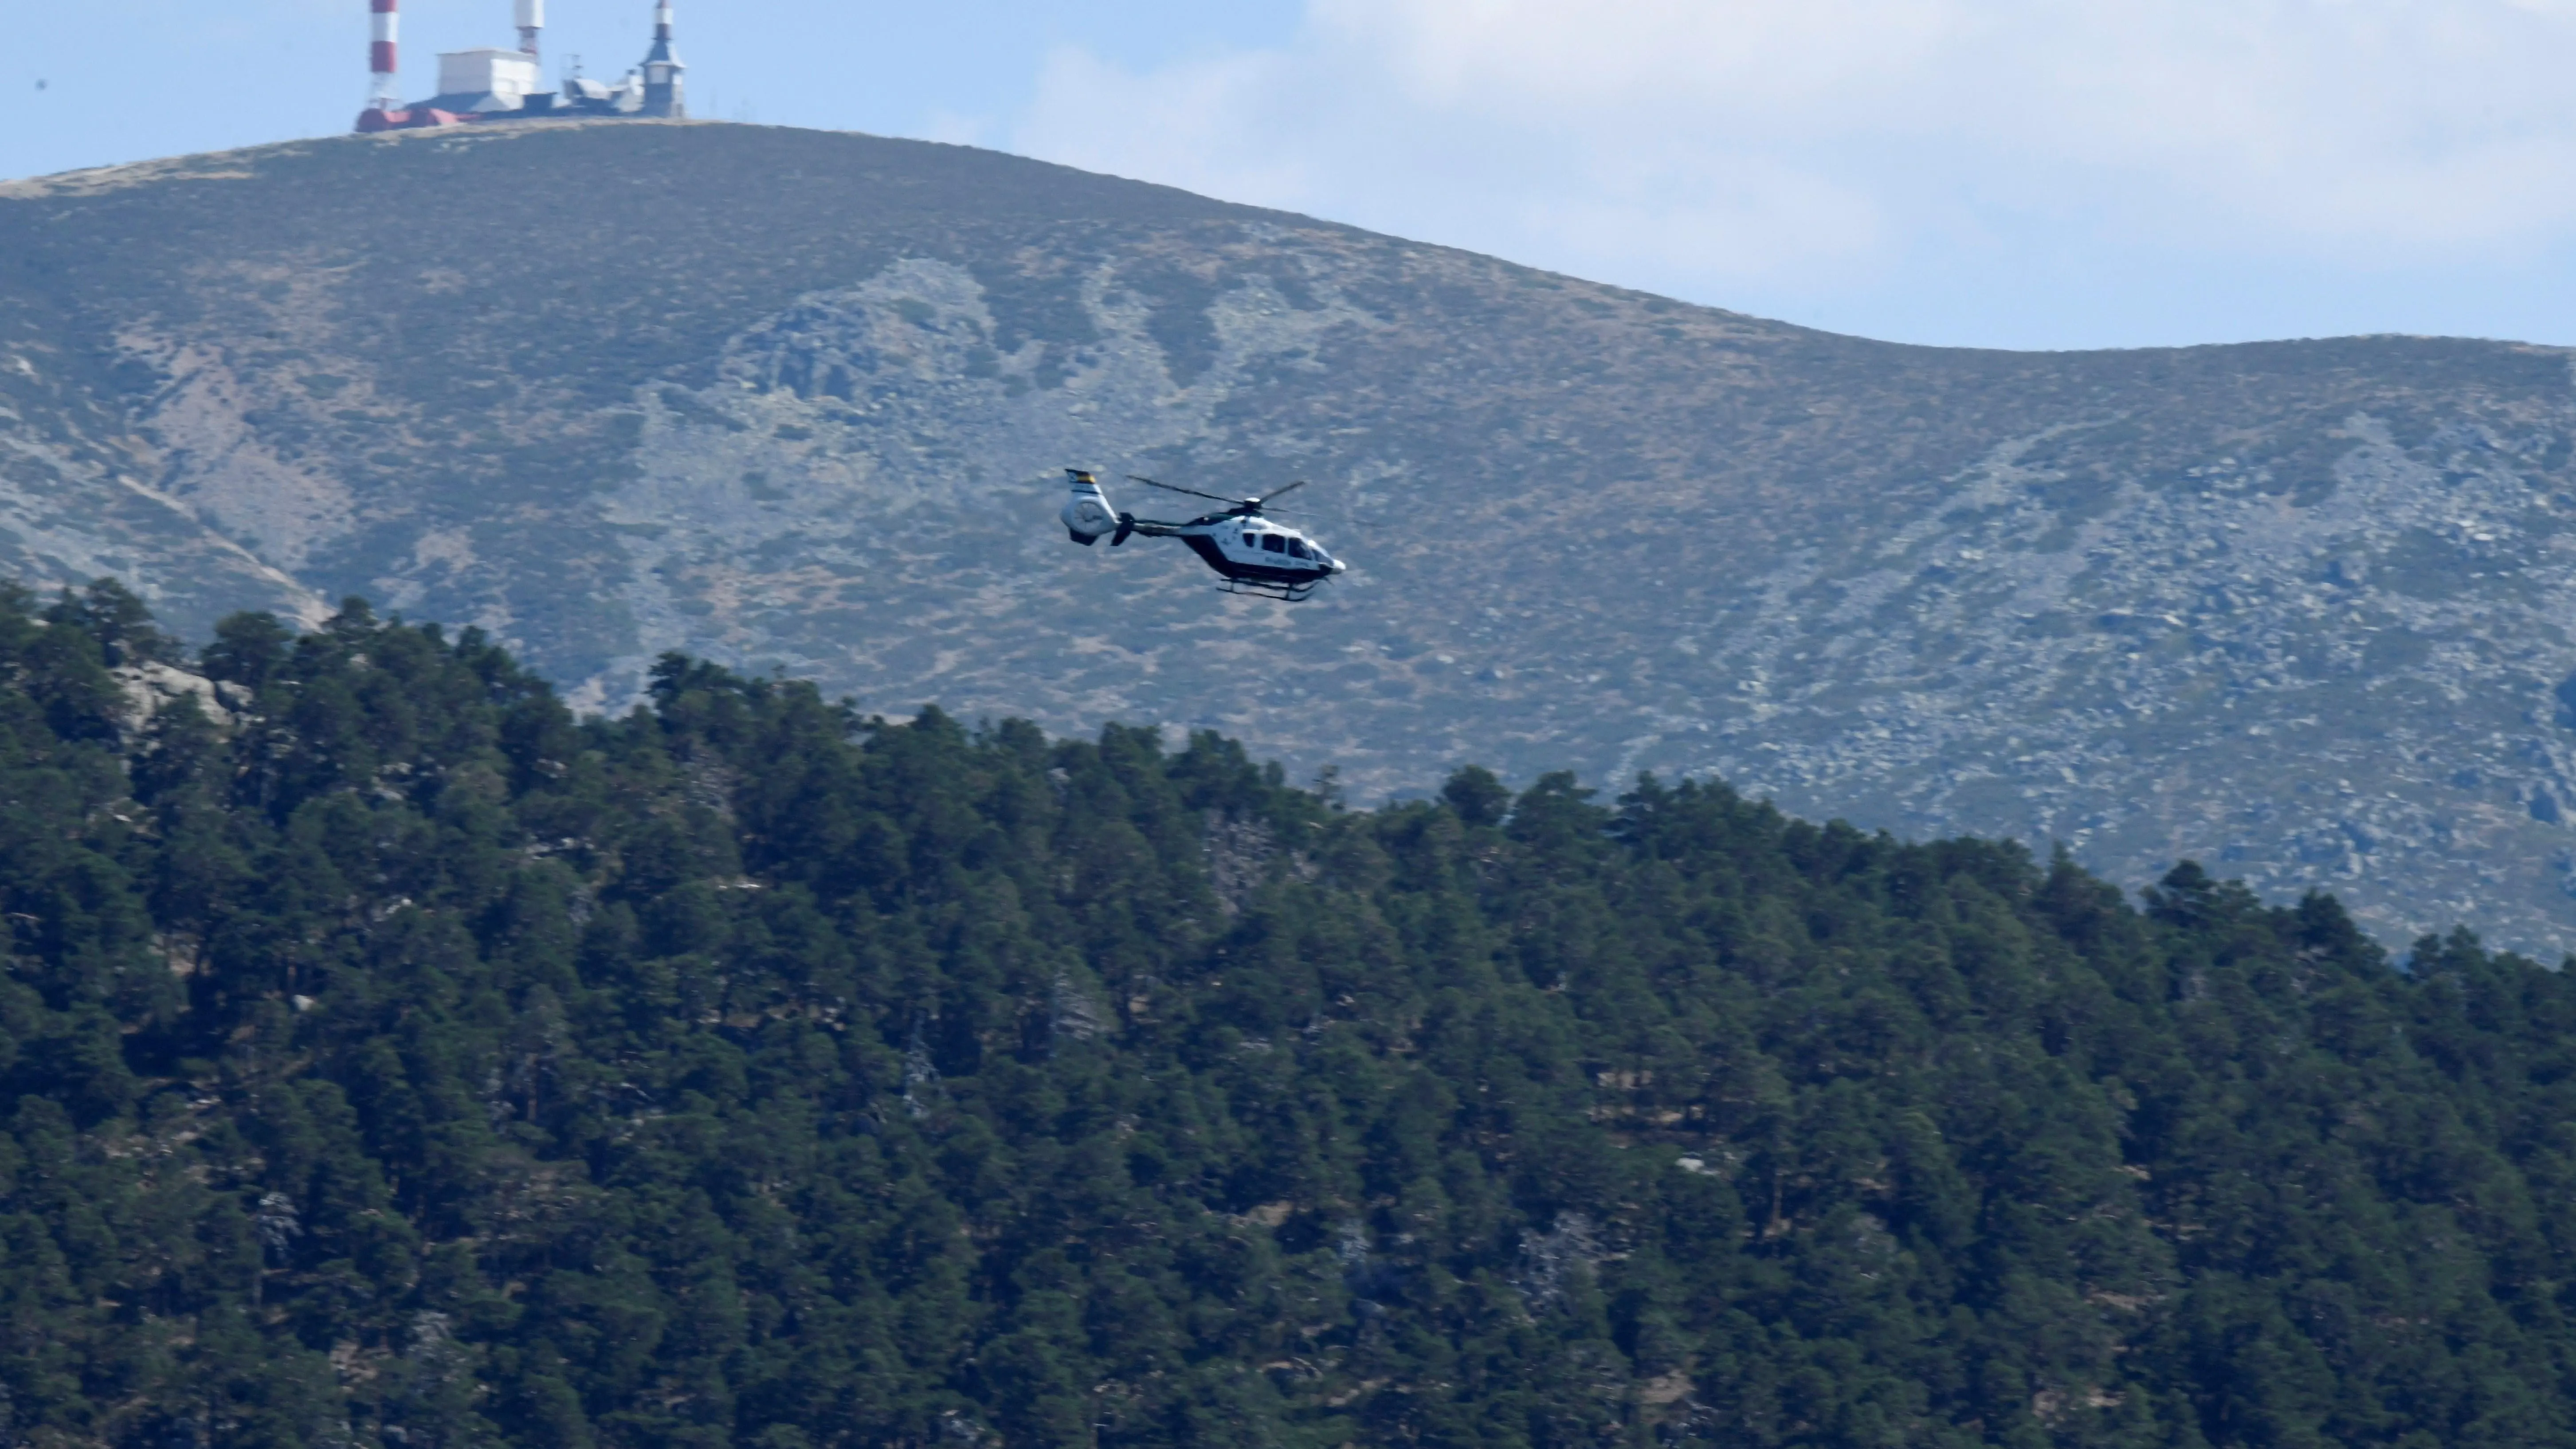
x,y
796,399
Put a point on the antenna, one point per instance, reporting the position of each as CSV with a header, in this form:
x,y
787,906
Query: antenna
x,y
664,87
381,66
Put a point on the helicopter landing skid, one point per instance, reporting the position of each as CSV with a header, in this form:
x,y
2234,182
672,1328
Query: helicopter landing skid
x,y
1292,593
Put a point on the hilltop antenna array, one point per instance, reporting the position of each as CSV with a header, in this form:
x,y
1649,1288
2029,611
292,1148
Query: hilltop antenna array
x,y
489,85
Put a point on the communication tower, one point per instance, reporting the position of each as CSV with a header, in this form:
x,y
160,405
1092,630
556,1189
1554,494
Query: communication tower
x,y
491,85
665,78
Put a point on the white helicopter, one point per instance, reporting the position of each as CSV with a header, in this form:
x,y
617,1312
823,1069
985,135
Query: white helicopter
x,y
1253,554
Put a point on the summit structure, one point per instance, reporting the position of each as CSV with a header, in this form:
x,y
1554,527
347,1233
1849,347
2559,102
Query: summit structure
x,y
665,78
496,84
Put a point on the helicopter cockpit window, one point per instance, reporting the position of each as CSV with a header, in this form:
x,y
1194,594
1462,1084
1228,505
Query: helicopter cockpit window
x,y
1273,542
1296,548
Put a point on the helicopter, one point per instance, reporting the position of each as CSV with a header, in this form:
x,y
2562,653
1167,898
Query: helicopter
x,y
1250,552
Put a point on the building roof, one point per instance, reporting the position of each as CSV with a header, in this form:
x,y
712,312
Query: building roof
x,y
464,104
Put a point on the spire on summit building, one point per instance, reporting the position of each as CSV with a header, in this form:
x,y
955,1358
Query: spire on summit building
x,y
665,85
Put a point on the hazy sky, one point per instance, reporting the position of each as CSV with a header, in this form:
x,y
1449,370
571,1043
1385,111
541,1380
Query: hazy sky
x,y
2021,173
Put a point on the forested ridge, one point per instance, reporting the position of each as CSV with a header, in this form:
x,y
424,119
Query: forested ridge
x,y
394,1058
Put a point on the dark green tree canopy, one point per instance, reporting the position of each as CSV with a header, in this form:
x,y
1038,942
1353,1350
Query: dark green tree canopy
x,y
395,1059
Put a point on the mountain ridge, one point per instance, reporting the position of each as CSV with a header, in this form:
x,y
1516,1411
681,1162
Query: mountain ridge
x,y
794,400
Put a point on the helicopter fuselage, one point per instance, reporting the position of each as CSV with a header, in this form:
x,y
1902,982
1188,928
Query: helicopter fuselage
x,y
1251,553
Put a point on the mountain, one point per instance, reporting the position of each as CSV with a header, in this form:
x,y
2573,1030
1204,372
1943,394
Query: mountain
x,y
796,400
393,1060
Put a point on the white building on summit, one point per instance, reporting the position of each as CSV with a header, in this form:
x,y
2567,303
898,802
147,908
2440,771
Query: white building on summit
x,y
483,81
509,85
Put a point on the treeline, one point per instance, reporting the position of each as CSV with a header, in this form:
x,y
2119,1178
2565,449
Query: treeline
x,y
395,1059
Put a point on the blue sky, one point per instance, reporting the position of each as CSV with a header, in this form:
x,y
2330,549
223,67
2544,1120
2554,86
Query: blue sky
x,y
2017,173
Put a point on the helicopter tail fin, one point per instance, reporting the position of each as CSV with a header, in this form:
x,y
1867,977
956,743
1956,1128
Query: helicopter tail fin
x,y
1087,514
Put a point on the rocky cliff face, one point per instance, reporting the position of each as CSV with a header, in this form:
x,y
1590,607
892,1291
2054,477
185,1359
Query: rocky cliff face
x,y
797,400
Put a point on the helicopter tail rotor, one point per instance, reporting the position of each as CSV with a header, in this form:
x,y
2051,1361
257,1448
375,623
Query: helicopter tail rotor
x,y
1087,514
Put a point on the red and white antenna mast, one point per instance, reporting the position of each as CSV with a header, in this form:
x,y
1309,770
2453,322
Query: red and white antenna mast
x,y
381,93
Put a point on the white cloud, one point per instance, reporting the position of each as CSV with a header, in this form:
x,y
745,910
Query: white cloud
x,y
1717,146
1506,56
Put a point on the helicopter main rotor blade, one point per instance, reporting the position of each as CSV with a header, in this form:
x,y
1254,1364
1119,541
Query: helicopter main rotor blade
x,y
1264,500
1176,488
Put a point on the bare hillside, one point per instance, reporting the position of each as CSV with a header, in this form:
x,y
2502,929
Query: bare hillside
x,y
795,399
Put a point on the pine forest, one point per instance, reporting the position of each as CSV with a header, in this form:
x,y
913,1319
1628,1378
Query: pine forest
x,y
395,1058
